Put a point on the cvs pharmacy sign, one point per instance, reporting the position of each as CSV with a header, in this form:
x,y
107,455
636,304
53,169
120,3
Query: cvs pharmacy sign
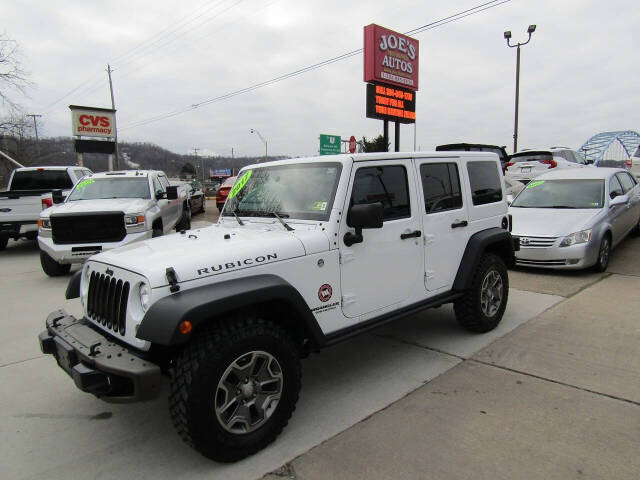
x,y
92,122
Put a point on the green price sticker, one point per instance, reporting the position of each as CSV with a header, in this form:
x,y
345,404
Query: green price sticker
x,y
239,184
319,206
84,183
535,184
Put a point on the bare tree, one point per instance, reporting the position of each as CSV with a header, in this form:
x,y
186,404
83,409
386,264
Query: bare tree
x,y
13,78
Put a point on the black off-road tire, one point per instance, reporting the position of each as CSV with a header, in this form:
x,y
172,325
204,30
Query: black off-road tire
x,y
468,309
3,243
603,256
185,220
201,365
53,268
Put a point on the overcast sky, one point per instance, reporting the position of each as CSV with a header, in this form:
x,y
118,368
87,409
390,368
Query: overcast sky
x,y
579,74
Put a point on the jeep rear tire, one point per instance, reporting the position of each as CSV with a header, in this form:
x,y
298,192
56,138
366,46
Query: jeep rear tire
x,y
234,387
51,267
482,306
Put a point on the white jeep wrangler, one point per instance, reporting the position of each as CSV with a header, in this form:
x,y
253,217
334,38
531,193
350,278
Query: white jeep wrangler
x,y
307,252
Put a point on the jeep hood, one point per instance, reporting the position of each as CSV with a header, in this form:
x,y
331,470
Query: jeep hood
x,y
126,205
205,252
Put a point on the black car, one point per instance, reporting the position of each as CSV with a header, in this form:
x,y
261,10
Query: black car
x,y
476,147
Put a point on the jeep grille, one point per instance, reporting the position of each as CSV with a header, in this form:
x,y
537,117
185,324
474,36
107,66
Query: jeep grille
x,y
107,301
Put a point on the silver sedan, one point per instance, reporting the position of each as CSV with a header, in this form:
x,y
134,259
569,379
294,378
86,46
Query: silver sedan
x,y
572,219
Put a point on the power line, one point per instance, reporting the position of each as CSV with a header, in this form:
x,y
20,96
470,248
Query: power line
x,y
429,26
146,47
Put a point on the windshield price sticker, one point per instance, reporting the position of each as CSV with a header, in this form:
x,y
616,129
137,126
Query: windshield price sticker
x,y
239,184
319,206
84,183
535,184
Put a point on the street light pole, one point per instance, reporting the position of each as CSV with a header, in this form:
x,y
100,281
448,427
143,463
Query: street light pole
x,y
507,36
253,130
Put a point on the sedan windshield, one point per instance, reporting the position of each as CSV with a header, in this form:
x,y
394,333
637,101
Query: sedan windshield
x,y
119,187
303,191
561,194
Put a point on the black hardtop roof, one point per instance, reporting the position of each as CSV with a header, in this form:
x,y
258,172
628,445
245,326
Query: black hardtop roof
x,y
525,153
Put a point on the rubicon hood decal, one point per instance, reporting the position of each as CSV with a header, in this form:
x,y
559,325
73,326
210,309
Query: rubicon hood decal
x,y
237,264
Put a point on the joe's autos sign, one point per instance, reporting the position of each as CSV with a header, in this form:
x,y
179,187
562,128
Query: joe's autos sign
x,y
92,121
390,57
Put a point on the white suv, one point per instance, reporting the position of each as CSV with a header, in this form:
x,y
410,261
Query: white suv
x,y
527,164
307,253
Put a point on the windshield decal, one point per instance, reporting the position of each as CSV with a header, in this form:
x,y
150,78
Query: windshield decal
x,y
84,183
319,206
239,184
535,184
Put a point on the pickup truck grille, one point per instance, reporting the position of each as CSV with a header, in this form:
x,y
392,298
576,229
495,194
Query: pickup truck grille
x,y
95,228
107,301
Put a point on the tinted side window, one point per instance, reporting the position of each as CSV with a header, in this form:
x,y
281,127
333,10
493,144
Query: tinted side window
x,y
614,187
387,185
627,182
157,187
440,186
485,182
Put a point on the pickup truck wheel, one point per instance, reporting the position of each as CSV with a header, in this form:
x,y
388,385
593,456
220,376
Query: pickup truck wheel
x,y
234,388
481,308
185,220
53,268
3,243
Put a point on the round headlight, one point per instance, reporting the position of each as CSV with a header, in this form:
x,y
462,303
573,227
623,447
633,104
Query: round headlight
x,y
145,296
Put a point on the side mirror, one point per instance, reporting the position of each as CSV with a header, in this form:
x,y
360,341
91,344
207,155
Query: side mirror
x,y
160,195
368,215
172,192
57,196
619,200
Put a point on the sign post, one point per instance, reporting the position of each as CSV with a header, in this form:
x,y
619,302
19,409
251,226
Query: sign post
x,y
391,72
329,144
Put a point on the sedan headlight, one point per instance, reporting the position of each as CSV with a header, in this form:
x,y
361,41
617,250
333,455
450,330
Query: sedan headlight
x,y
135,219
575,238
145,296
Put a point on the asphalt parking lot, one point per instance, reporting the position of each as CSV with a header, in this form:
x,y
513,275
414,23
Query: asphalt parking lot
x,y
553,392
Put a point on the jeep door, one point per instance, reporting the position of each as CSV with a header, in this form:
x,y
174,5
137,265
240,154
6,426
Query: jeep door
x,y
445,219
385,268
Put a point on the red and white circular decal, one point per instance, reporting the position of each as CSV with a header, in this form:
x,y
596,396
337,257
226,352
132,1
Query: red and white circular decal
x,y
324,294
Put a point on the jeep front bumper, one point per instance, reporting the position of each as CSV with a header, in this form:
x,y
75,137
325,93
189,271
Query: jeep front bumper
x,y
98,364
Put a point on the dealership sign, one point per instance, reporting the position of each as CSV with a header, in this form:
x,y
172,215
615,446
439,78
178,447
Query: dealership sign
x,y
92,122
390,57
391,103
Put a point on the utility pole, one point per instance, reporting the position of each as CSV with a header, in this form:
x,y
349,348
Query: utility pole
x,y
115,124
195,154
232,161
35,127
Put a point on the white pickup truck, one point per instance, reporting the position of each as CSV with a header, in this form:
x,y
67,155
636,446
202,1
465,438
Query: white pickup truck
x,y
28,192
109,210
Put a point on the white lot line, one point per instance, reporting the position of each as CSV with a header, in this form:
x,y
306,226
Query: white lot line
x,y
52,430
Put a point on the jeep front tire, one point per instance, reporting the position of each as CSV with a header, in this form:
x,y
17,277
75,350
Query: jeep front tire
x,y
482,306
234,387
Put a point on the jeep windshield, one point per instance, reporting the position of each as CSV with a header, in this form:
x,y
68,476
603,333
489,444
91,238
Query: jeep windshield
x,y
100,188
561,194
298,191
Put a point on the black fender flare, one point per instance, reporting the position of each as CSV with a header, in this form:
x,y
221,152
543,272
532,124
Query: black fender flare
x,y
161,324
495,240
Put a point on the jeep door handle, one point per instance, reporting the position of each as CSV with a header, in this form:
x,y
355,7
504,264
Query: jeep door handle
x,y
415,234
463,223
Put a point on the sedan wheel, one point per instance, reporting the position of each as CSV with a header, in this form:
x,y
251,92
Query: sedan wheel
x,y
603,254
